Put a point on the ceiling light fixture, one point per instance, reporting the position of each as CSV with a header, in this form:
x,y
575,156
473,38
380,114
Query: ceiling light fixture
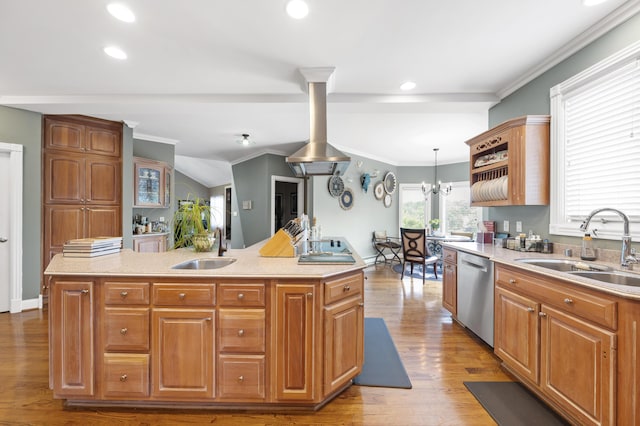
x,y
245,141
408,85
437,187
121,12
297,9
115,52
590,3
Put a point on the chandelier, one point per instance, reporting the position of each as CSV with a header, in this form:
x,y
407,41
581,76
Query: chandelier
x,y
437,187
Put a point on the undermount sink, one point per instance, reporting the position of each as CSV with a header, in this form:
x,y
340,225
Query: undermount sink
x,y
614,277
565,265
206,263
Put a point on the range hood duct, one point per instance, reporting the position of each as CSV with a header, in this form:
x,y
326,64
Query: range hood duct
x,y
317,157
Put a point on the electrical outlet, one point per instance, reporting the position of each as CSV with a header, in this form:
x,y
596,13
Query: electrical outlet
x,y
505,226
518,226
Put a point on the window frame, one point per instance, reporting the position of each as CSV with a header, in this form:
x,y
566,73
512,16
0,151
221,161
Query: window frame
x,y
442,208
612,226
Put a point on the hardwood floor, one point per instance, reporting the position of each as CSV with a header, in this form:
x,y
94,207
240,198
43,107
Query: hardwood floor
x,y
438,355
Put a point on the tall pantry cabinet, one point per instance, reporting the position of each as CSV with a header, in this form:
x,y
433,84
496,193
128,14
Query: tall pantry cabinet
x,y
81,181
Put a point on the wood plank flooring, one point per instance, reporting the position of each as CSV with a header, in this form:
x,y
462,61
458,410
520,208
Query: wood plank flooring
x,y
438,355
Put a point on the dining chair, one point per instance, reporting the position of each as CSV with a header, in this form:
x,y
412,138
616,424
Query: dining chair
x,y
415,250
386,245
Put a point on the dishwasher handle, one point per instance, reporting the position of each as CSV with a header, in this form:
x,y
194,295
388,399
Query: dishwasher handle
x,y
480,267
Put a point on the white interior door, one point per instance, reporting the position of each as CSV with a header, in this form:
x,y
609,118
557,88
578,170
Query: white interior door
x,y
4,233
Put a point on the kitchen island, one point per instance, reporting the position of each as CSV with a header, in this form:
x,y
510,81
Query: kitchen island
x,y
260,333
572,340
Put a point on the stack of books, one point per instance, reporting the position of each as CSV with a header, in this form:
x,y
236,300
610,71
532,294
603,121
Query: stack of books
x,y
92,247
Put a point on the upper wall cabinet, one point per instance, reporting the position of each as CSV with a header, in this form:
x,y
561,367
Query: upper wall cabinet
x,y
72,133
510,163
152,183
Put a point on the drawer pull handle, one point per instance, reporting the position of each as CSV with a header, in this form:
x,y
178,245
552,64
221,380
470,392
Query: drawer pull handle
x,y
241,379
85,291
181,296
530,309
346,288
123,331
241,332
568,300
240,296
512,281
542,314
124,294
123,378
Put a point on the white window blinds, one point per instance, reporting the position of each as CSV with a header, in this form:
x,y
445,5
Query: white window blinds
x,y
602,144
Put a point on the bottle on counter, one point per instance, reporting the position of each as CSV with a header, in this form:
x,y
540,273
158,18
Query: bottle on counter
x,y
587,252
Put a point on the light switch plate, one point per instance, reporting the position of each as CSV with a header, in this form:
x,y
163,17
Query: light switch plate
x,y
505,226
518,226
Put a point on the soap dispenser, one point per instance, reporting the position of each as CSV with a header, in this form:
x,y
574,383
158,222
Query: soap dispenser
x,y
588,252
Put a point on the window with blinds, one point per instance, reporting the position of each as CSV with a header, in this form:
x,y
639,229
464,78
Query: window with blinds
x,y
595,146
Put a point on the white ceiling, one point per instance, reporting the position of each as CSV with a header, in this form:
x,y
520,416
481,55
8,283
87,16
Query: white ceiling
x,y
202,72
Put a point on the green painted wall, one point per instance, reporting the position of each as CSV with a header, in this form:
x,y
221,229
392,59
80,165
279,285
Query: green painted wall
x,y
533,98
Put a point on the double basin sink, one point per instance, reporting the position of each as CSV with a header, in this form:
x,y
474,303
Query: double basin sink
x,y
586,269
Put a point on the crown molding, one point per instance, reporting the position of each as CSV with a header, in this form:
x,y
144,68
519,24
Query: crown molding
x,y
152,138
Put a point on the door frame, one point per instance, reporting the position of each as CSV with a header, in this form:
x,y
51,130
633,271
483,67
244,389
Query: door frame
x,y
300,186
15,220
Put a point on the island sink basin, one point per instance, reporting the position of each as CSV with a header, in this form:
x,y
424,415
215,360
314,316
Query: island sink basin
x,y
614,277
565,265
206,263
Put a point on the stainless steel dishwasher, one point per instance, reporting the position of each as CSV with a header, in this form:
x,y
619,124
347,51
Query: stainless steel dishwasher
x,y
475,295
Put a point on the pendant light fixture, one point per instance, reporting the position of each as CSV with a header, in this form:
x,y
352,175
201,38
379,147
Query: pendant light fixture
x,y
437,187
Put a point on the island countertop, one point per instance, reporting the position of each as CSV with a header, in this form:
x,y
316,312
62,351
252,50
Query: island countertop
x,y
248,264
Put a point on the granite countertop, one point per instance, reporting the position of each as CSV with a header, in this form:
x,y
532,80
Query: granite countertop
x,y
248,264
508,257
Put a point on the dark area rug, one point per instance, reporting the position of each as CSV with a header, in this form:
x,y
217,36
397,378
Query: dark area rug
x,y
382,364
510,403
417,272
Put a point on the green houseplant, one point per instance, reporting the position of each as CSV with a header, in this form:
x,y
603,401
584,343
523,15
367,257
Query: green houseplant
x,y
191,225
435,225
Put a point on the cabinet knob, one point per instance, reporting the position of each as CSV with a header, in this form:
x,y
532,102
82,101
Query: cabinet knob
x,y
512,281
85,291
361,304
240,296
124,294
530,309
208,319
123,378
241,378
568,300
241,332
123,331
181,296
309,295
346,288
542,314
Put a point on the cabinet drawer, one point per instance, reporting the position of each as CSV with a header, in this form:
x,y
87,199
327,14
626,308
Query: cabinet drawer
x,y
449,256
126,375
586,305
126,329
342,288
241,294
242,330
123,293
242,377
184,294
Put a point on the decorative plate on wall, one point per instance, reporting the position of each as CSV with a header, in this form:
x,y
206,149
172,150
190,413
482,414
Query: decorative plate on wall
x,y
387,200
336,186
390,183
378,190
346,199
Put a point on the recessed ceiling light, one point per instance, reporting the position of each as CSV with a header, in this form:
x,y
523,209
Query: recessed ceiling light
x,y
408,85
115,52
121,12
297,9
592,2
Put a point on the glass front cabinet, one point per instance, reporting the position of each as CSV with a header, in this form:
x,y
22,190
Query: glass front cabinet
x,y
152,183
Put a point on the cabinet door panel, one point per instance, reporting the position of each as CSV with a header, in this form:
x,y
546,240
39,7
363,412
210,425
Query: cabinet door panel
x,y
71,337
183,345
242,330
62,223
64,176
578,367
126,329
126,376
63,135
103,181
242,377
149,244
103,141
102,221
450,288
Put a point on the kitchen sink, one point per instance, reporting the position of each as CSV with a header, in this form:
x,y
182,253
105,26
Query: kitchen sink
x,y
565,265
206,263
614,277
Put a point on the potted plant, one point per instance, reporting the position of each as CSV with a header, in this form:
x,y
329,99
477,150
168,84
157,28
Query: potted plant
x,y
435,225
191,225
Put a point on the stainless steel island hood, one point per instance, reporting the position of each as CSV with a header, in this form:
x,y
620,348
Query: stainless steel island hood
x,y
317,157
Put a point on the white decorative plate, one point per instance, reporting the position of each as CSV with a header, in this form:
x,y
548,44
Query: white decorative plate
x,y
336,186
387,200
378,191
389,183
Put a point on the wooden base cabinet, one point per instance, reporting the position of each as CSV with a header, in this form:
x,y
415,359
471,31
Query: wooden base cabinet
x,y
561,341
450,280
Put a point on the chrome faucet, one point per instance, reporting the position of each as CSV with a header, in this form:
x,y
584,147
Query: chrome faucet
x,y
626,257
